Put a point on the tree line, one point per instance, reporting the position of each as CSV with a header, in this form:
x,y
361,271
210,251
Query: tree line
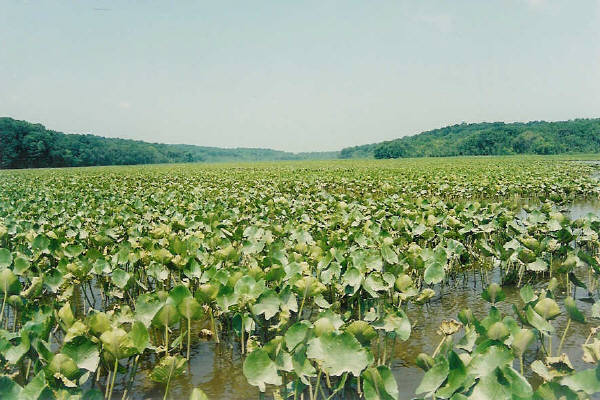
x,y
496,138
27,145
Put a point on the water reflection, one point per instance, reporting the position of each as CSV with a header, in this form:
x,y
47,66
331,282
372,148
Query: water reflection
x,y
217,369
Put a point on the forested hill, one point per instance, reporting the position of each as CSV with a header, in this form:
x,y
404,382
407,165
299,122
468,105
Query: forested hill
x,y
497,138
27,145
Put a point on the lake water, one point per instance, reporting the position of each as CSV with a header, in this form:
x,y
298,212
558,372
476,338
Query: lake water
x,y
217,368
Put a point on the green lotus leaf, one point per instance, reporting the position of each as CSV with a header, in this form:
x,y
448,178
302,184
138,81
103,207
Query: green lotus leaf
x,y
493,294
63,365
99,322
54,280
40,243
118,343
120,278
6,258
167,315
323,326
456,376
206,293
547,308
352,277
14,353
362,331
538,265
498,331
486,362
537,321
519,386
467,342
554,391
198,394
396,322
527,294
268,304
34,389
296,334
434,273
425,295
434,377
403,282
9,283
374,283
140,338
190,308
247,289
9,389
587,381
178,294
168,367
260,370
66,315
339,353
465,316
146,308
389,255
308,286
492,386
73,250
301,364
83,351
379,384
522,339
573,311
22,264
424,361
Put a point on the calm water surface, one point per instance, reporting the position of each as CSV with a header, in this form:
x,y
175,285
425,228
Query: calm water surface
x,y
217,368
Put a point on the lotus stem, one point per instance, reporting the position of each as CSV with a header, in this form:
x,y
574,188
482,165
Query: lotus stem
x,y
242,341
314,396
107,383
166,340
302,304
340,387
189,335
521,362
383,358
588,337
168,380
439,346
28,368
181,329
214,326
3,304
562,340
285,394
114,375
131,377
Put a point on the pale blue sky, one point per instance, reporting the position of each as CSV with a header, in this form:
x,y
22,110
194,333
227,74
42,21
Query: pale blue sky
x,y
295,75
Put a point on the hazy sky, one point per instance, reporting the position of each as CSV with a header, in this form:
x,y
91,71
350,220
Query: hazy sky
x,y
295,75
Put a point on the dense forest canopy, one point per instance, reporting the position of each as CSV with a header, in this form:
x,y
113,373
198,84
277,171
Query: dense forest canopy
x,y
497,138
27,145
